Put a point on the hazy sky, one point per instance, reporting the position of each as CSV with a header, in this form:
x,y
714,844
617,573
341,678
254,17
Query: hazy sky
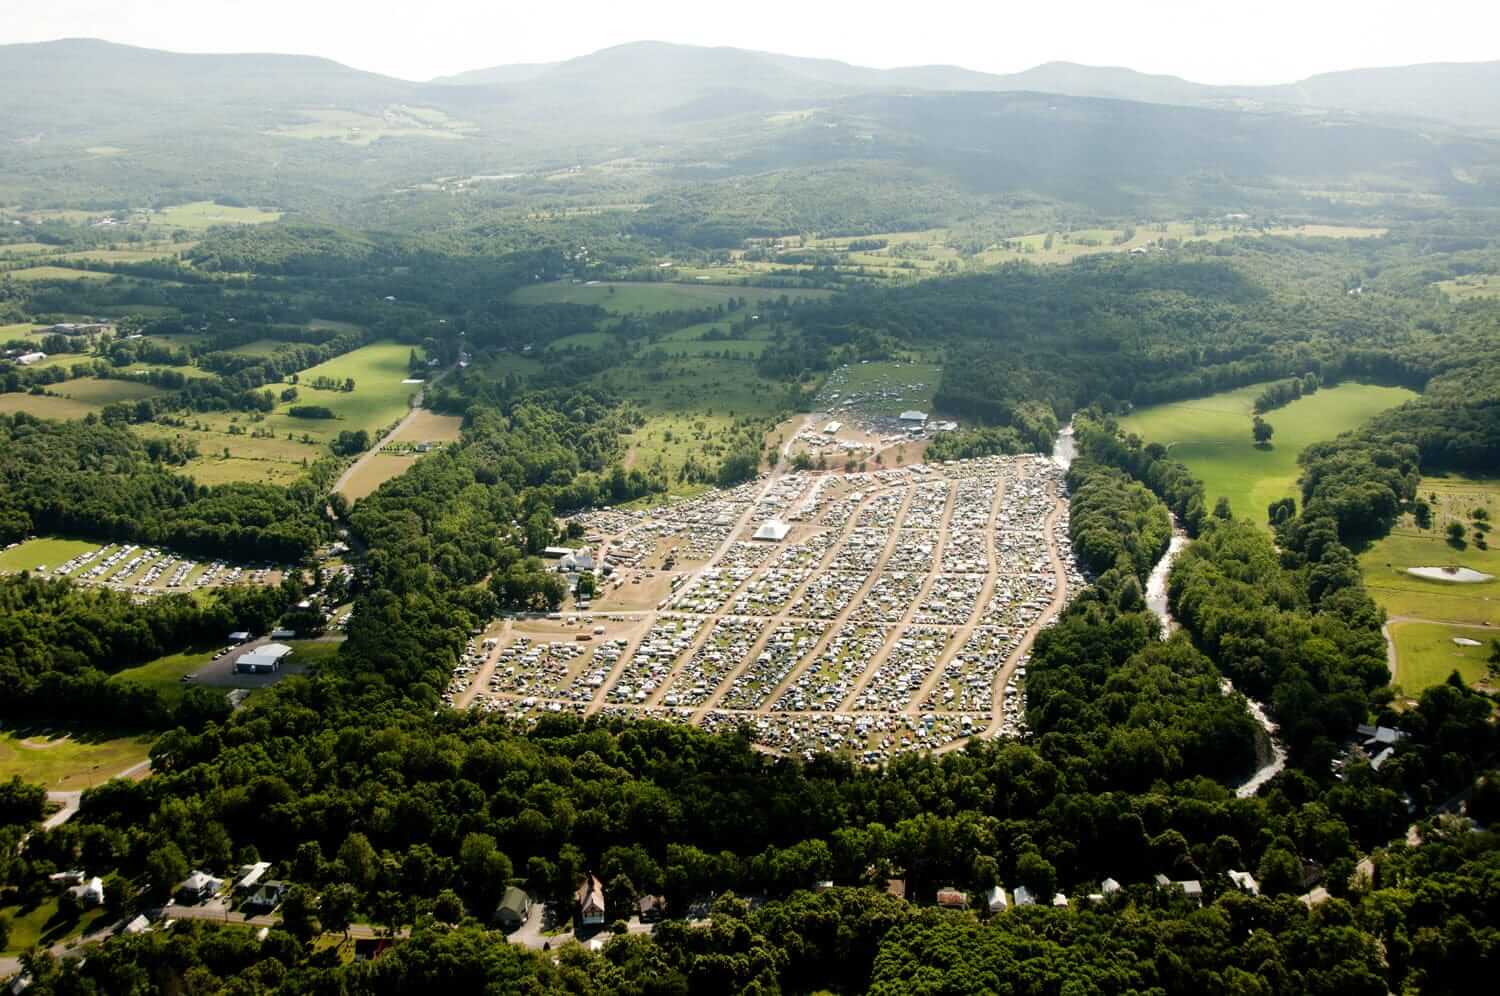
x,y
1269,41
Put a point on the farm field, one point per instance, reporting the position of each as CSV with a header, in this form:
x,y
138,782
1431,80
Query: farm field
x,y
1212,436
1384,564
43,552
32,273
1471,286
1426,655
207,214
65,761
76,398
277,456
646,298
397,451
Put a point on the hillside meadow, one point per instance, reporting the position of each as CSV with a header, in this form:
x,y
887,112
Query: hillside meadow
x,y
1212,436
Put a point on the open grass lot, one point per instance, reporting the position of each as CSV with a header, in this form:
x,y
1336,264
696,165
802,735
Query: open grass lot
x,y
165,673
1384,564
101,392
64,761
701,384
207,214
260,347
1426,655
31,926
1212,436
45,406
646,298
32,273
376,471
1471,286
43,552
378,400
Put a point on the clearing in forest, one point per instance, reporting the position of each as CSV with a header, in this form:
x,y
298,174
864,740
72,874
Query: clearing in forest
x,y
1212,436
1385,564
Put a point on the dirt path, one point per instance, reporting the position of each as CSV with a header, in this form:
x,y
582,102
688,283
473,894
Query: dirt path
x,y
411,413
981,606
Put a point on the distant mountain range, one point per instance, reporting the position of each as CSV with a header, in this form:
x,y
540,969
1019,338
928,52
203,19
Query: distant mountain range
x,y
655,74
86,120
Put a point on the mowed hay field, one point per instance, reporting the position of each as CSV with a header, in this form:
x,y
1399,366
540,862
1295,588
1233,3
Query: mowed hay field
x,y
1384,564
649,298
1426,655
76,398
379,399
1212,436
64,761
43,552
422,427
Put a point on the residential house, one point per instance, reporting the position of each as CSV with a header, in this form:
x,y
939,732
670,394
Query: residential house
x,y
591,902
652,908
514,909
952,899
996,900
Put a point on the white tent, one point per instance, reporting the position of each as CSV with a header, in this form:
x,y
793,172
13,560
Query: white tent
x,y
773,530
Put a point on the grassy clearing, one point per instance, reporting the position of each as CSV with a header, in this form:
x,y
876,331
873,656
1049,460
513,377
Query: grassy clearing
x,y
1212,436
260,347
1471,286
101,392
33,273
41,925
278,454
647,298
1384,564
64,761
207,214
1426,655
45,406
43,552
165,673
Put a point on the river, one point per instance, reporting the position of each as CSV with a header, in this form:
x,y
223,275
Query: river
x,y
1269,751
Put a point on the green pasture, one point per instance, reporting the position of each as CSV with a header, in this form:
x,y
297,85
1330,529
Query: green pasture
x,y
207,214
1384,563
1426,655
35,273
67,760
165,673
1212,436
42,924
45,551
1471,286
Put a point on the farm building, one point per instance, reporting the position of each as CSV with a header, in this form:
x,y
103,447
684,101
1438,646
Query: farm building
x,y
27,359
250,876
832,428
514,909
239,636
557,552
591,902
772,530
263,660
912,415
